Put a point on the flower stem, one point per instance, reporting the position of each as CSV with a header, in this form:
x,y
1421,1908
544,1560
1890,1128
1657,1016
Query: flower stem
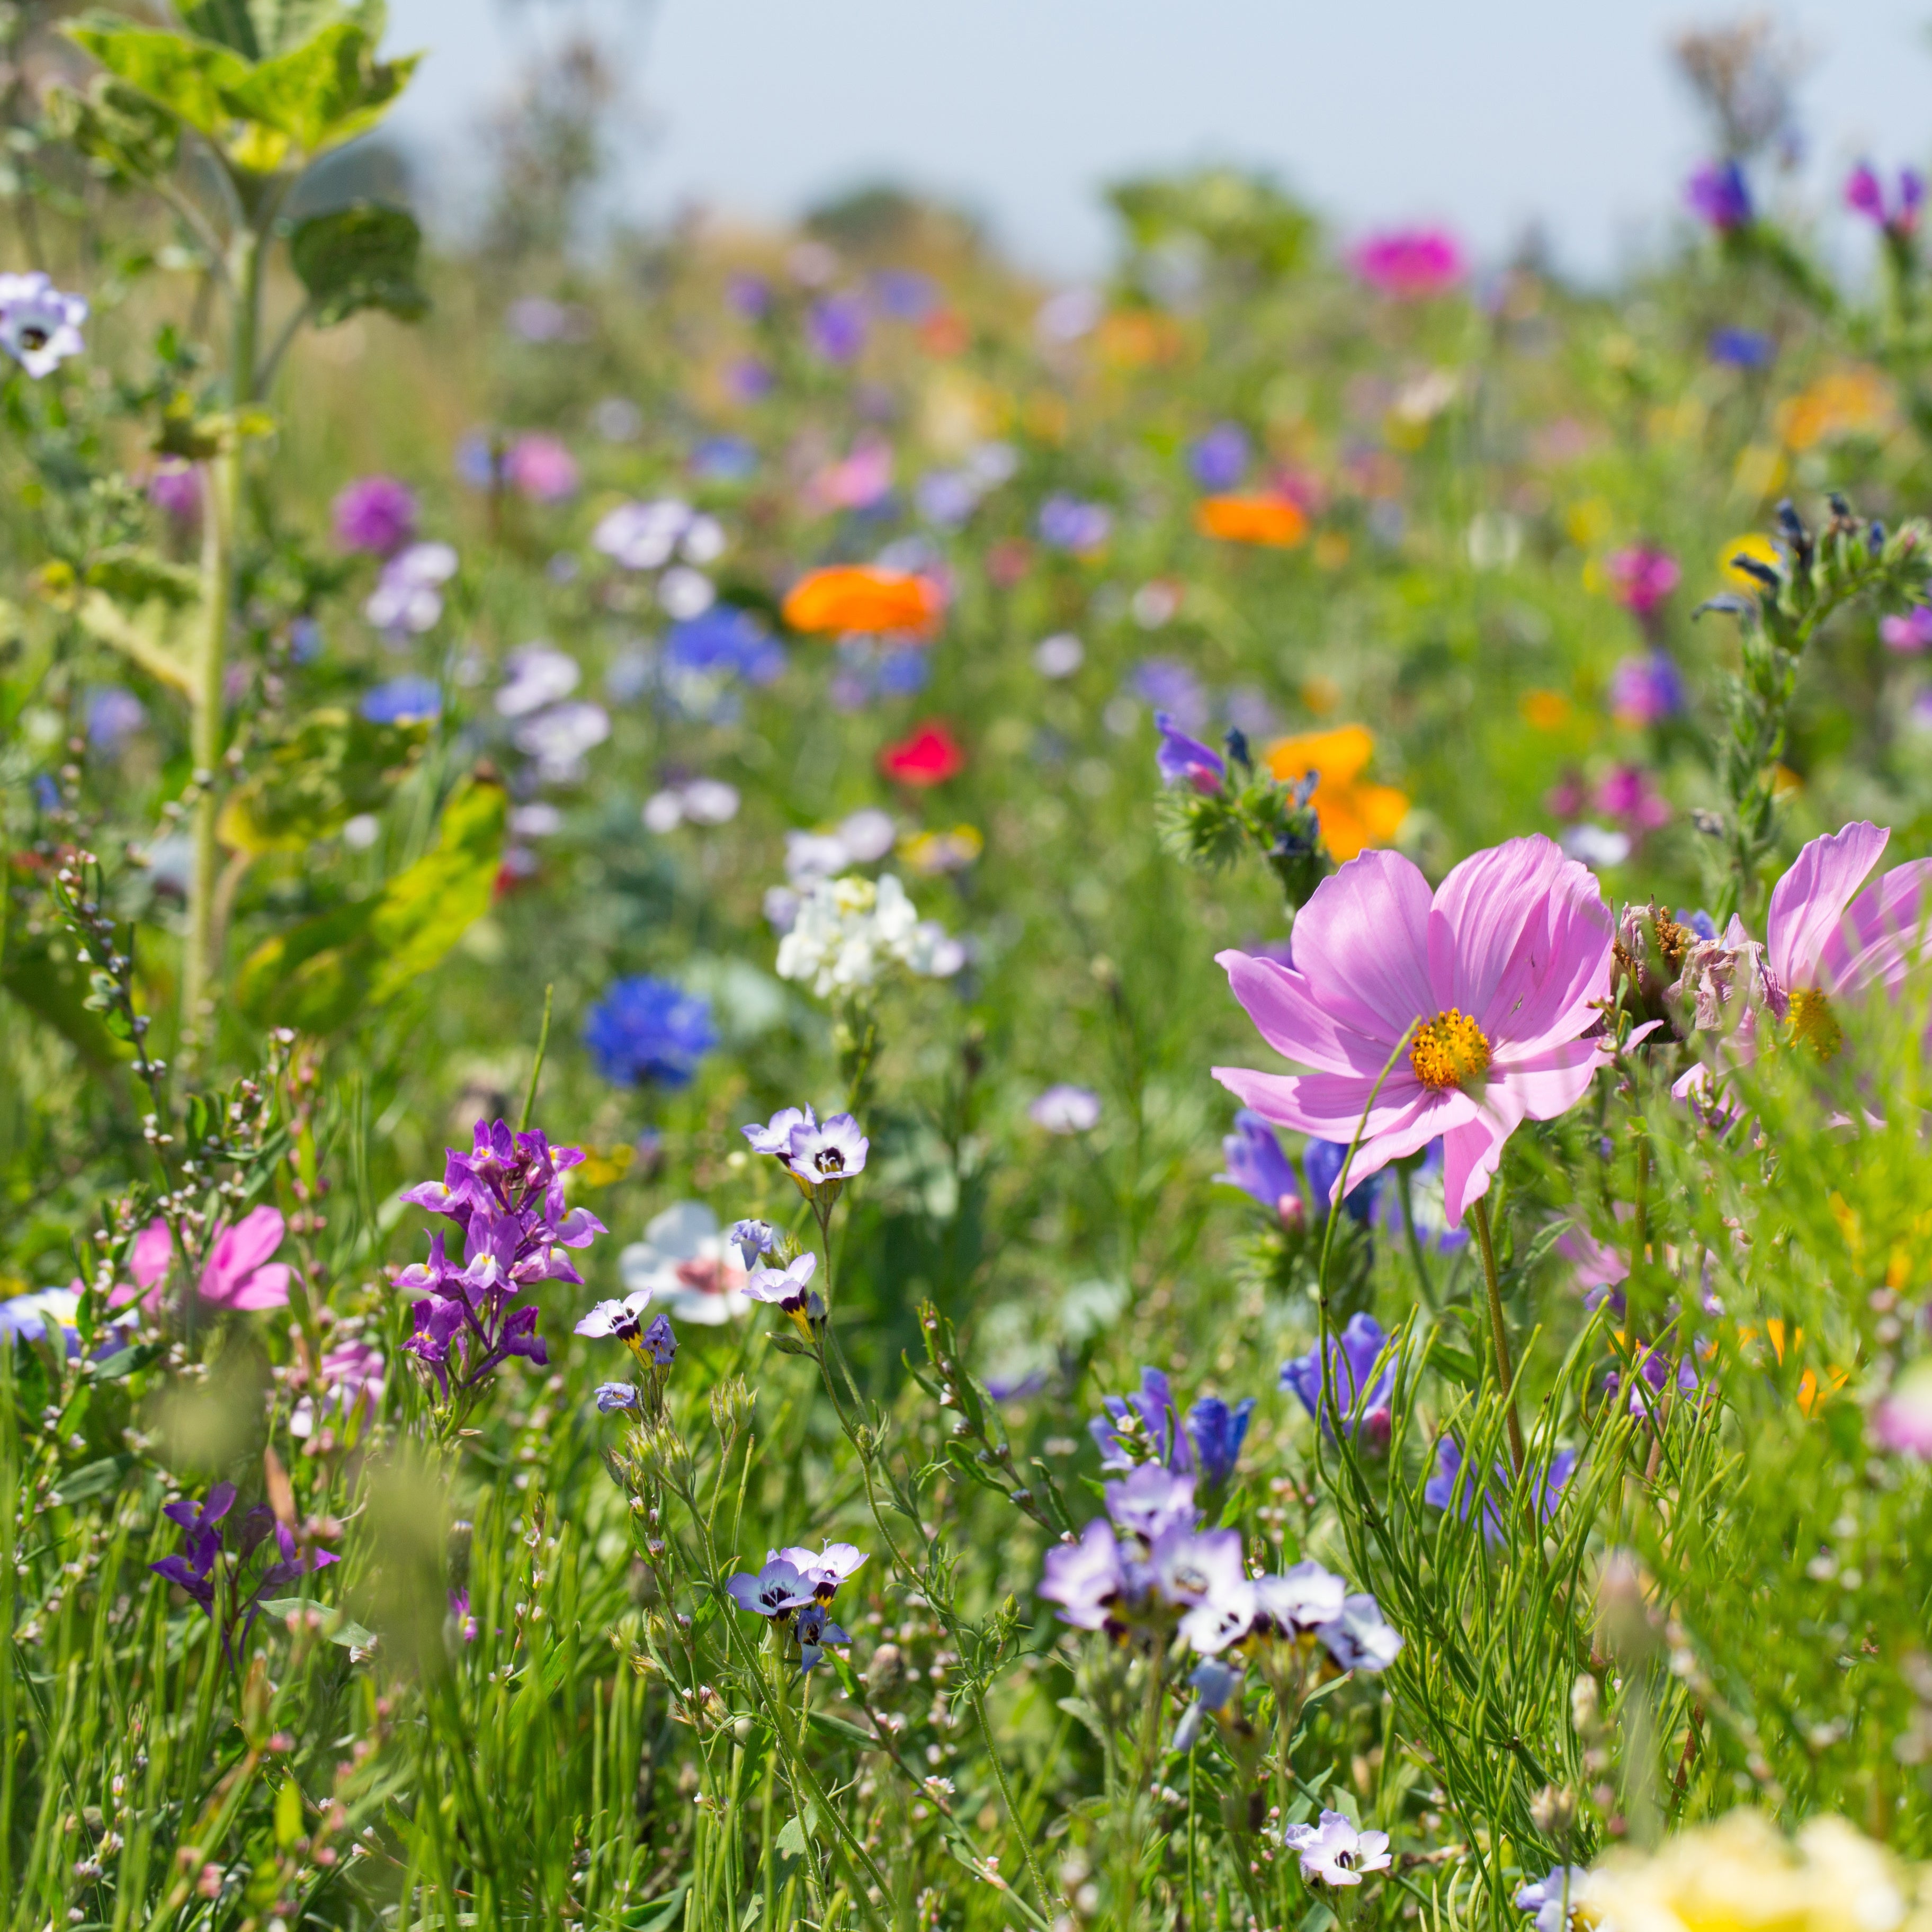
x,y
1485,1240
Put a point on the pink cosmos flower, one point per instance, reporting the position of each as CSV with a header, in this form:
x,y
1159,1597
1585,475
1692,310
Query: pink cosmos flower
x,y
1491,982
240,1272
1827,942
1409,263
1643,578
541,469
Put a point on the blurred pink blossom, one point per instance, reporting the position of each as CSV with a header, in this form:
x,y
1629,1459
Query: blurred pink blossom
x,y
1642,577
1410,263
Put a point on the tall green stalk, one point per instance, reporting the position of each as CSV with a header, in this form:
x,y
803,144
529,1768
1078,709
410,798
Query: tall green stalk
x,y
220,512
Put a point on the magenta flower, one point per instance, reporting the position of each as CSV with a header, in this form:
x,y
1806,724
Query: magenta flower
x,y
1909,634
1642,578
174,488
376,513
1481,996
1720,197
1627,795
1410,263
540,468
1865,194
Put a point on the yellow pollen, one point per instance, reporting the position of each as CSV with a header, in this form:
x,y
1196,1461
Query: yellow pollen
x,y
1449,1050
1811,1022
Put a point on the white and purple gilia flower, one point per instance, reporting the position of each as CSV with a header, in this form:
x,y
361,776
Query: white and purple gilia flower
x,y
1555,1899
819,1157
790,1289
794,1588
1333,1853
40,326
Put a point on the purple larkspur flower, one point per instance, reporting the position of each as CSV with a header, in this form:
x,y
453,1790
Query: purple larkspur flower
x,y
1183,760
1256,1165
1355,1391
1720,197
376,513
1217,1432
1140,1427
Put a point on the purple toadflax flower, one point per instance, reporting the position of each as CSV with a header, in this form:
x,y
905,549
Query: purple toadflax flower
x,y
231,1596
506,1196
1355,1392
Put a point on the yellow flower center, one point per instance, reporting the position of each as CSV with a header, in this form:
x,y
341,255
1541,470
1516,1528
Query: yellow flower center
x,y
1811,1022
1449,1051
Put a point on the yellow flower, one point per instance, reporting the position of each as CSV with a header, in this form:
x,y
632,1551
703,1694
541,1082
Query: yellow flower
x,y
1758,549
1546,710
1353,814
1848,402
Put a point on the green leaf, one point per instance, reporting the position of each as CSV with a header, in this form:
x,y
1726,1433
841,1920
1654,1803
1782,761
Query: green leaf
x,y
126,135
95,1479
331,971
837,1727
362,256
326,91
57,988
334,766
260,29
791,1838
188,76
155,636
132,575
338,1627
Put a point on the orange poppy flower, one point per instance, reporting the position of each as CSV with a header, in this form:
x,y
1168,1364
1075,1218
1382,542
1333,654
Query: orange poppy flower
x,y
1353,814
1277,521
860,597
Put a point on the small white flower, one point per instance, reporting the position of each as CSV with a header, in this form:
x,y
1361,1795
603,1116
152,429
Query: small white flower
x,y
1334,1853
685,1262
539,674
684,592
1065,1109
615,1318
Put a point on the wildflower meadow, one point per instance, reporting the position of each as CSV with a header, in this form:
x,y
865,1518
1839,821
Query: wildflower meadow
x,y
840,1091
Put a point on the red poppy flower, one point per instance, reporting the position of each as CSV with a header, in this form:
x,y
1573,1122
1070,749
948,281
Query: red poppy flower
x,y
931,756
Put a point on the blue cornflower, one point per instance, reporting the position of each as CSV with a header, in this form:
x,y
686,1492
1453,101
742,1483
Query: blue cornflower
x,y
648,1029
1216,1432
725,641
1741,348
1219,459
403,701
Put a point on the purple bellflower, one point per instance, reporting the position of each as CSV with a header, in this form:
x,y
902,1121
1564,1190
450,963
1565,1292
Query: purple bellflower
x,y
1217,1432
506,1197
1451,1487
1355,1392
1256,1165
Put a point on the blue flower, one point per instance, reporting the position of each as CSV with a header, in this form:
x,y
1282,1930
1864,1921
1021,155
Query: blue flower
x,y
1216,1432
403,701
1355,1391
1321,1160
724,459
1741,348
612,1396
648,1029
1434,1230
1135,1423
659,1341
1719,196
1258,1167
1184,760
725,641
1066,522
1219,459
1546,1488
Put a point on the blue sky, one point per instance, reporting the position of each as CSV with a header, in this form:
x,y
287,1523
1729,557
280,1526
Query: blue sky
x,y
1488,114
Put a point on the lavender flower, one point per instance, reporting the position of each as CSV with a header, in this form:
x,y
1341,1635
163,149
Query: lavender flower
x,y
1143,1427
774,1592
506,1196
1355,1391
40,326
1085,1579
752,1239
1647,690
1555,1897
613,1397
1303,1598
775,1137
407,599
1066,522
1152,1500
1219,459
1065,1109
815,1631
659,1343
824,1569
1256,1165
821,1158
790,1289
1217,1432
835,326
1361,1638
376,514
1333,1853
800,1583
649,1030
1183,760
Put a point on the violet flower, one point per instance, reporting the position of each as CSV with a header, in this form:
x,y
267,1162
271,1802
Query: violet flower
x,y
646,1030
507,1197
774,1592
1450,1486
1216,1686
376,513
1086,1578
206,1533
835,326
1066,1109
40,326
1555,1900
1321,1161
1355,1392
1909,634
1141,1427
1865,194
1218,460
1256,1165
1183,760
1152,1500
1720,197
612,1397
1647,690
753,1238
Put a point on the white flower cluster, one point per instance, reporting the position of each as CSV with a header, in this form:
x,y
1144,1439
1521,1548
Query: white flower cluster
x,y
847,931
